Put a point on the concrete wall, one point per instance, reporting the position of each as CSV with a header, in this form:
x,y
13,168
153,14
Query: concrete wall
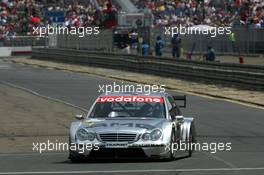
x,y
9,51
5,51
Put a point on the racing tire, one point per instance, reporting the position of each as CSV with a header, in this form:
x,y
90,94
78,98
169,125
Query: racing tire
x,y
172,142
75,157
190,141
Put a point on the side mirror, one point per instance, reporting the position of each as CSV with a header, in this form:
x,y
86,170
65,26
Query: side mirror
x,y
79,117
179,118
172,114
181,98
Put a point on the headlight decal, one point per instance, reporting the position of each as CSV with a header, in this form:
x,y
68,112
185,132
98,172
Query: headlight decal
x,y
146,136
154,135
82,135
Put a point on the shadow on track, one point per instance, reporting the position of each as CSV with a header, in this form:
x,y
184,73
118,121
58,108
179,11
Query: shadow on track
x,y
120,160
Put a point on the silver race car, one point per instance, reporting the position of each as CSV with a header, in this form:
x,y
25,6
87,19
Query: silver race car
x,y
132,125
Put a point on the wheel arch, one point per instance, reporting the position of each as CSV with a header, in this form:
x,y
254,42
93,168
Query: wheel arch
x,y
186,127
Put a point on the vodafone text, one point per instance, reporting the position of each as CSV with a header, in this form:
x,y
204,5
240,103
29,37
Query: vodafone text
x,y
147,99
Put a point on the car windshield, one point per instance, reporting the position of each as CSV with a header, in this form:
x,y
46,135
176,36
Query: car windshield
x,y
129,106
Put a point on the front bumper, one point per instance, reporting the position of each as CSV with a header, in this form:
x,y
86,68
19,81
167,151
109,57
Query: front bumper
x,y
124,150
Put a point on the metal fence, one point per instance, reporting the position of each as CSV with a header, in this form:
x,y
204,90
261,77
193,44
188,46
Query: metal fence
x,y
248,41
100,42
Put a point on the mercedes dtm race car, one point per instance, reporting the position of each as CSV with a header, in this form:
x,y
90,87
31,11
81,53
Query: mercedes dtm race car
x,y
132,125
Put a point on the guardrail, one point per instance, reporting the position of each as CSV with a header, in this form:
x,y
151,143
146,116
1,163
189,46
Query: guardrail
x,y
20,41
243,76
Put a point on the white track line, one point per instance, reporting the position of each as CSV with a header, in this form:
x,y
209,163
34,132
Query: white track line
x,y
136,171
42,96
5,66
219,159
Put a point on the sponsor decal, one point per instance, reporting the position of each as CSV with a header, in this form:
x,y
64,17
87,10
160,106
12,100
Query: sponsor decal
x,y
129,124
147,99
116,145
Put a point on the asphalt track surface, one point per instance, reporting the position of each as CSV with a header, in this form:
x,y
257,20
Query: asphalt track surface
x,y
216,121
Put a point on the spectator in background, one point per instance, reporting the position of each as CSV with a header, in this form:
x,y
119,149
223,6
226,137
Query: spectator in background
x,y
133,35
16,15
145,48
127,49
217,12
159,46
232,38
210,55
176,46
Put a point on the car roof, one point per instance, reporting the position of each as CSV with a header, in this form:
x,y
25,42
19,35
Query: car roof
x,y
151,94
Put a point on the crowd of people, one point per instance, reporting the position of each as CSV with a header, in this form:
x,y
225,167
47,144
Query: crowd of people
x,y
16,15
211,12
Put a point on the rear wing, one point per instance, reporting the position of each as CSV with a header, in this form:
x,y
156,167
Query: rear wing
x,y
180,98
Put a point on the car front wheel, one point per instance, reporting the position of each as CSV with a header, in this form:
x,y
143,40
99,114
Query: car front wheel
x,y
172,144
190,142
